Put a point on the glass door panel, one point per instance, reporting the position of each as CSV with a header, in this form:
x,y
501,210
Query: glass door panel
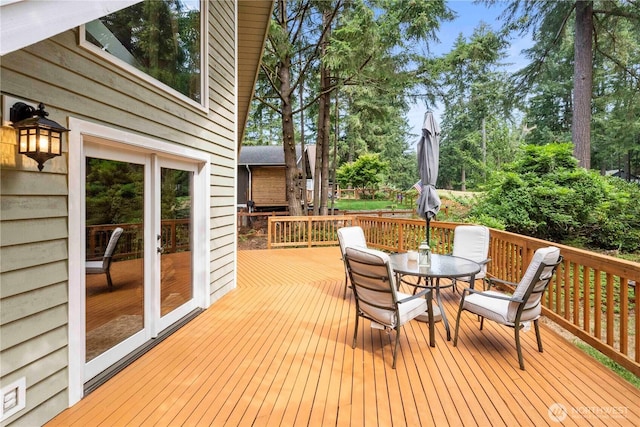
x,y
176,201
115,288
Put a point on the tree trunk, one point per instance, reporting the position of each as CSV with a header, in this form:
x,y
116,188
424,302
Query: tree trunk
x,y
484,150
317,177
583,83
326,146
302,145
292,173
322,146
324,125
334,161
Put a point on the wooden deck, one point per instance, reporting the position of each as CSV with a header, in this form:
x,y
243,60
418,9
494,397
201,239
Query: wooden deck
x,y
277,352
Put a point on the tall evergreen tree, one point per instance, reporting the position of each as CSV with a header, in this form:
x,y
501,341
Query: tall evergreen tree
x,y
549,21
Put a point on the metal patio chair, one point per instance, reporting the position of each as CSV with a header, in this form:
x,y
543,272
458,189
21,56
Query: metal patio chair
x,y
525,305
471,242
350,237
378,300
103,266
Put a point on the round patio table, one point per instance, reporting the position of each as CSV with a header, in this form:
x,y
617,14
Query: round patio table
x,y
442,266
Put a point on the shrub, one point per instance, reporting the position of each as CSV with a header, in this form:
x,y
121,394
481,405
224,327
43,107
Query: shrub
x,y
546,195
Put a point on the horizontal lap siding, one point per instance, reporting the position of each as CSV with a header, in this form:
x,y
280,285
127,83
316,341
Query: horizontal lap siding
x,y
222,100
74,82
33,278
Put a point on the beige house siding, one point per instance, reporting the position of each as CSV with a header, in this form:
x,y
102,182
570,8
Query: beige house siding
x,y
73,82
222,95
33,285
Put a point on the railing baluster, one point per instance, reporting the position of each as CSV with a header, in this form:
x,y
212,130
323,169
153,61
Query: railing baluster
x,y
624,310
597,305
586,298
609,313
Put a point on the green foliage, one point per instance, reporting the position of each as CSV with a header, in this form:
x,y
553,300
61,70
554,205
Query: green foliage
x,y
478,134
365,173
546,195
175,194
162,38
114,192
547,82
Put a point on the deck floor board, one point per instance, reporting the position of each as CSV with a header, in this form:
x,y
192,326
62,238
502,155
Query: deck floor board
x,y
276,351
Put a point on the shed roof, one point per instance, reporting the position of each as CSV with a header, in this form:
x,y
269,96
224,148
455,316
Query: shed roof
x,y
264,155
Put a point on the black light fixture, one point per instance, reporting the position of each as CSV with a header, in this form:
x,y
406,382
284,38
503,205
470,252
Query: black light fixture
x,y
38,137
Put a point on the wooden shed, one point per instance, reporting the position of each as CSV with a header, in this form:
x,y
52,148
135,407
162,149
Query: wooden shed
x,y
261,176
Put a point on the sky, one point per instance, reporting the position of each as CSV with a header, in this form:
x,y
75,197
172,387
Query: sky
x,y
469,17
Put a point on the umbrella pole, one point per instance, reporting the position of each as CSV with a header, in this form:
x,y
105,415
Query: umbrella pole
x,y
428,221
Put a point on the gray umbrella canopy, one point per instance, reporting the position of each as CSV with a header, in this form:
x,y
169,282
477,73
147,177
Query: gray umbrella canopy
x,y
428,158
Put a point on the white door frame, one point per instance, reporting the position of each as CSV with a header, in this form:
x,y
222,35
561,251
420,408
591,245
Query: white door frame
x,y
111,138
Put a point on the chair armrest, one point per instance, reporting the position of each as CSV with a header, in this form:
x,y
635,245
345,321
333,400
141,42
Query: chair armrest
x,y
504,297
414,296
493,280
484,262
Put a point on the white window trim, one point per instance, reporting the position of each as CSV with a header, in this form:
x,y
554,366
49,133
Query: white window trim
x,y
81,129
204,63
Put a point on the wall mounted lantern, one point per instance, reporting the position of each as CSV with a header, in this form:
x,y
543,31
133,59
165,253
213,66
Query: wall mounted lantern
x,y
38,137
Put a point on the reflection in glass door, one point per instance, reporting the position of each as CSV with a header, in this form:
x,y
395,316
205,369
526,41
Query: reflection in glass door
x,y
114,198
175,239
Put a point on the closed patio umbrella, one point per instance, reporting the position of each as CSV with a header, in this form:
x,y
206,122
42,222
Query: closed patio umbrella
x,y
428,157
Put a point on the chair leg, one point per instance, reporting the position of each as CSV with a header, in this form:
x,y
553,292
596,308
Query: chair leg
x,y
455,334
345,286
537,327
355,332
109,282
432,325
518,346
481,322
395,350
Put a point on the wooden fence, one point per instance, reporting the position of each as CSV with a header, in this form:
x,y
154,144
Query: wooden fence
x,y
593,296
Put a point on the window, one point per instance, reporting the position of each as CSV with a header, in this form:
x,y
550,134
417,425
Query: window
x,y
161,38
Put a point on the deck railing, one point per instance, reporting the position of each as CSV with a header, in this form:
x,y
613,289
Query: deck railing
x,y
593,296
174,238
300,231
